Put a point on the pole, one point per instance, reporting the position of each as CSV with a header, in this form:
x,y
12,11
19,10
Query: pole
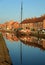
x,y
21,21
21,11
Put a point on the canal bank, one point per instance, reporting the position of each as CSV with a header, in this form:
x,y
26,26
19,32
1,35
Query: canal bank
x,y
4,53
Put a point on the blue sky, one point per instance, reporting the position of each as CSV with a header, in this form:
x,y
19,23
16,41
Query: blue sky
x,y
11,9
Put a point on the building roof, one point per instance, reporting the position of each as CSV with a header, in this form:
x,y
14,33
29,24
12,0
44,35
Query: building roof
x,y
33,20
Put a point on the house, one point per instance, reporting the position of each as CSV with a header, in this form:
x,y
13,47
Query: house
x,y
10,25
27,24
34,23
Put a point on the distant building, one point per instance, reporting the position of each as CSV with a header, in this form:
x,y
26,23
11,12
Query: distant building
x,y
34,23
11,25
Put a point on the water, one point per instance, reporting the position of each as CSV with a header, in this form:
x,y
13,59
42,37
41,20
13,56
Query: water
x,y
25,50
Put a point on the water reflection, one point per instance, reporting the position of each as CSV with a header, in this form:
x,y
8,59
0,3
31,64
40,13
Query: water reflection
x,y
34,42
27,40
25,50
10,36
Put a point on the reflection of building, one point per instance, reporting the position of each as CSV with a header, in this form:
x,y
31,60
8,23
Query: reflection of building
x,y
10,36
33,41
43,43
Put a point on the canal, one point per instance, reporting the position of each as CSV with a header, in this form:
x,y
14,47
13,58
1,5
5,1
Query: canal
x,y
25,50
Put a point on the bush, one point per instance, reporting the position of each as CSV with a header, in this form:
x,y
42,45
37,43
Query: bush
x,y
32,29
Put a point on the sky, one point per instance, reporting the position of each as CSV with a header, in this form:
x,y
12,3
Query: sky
x,y
11,9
